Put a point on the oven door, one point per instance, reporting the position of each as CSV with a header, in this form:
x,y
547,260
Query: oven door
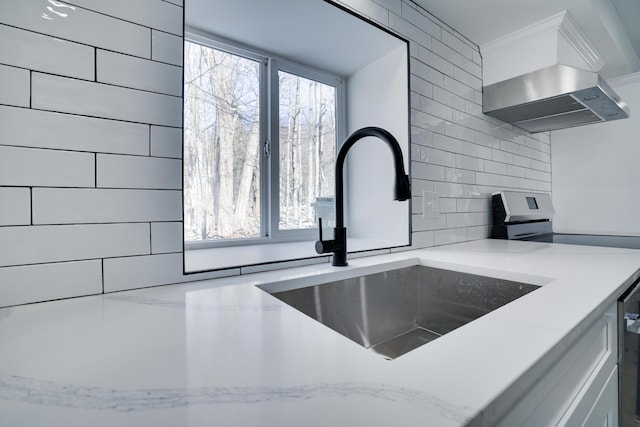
x,y
628,340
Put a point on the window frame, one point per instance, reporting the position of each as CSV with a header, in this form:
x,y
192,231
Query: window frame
x,y
270,64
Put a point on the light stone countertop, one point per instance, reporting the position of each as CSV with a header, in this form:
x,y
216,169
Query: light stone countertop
x,y
223,352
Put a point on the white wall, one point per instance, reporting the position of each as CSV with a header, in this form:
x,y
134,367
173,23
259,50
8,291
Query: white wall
x,y
596,178
376,96
90,127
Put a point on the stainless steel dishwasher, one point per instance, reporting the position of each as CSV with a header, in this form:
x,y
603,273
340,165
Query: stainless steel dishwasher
x,y
628,340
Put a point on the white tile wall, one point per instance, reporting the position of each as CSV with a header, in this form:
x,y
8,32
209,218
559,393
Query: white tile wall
x,y
144,271
47,168
138,172
66,95
140,73
166,48
78,206
25,49
44,129
41,282
76,24
15,206
90,142
55,243
166,142
14,86
156,14
166,237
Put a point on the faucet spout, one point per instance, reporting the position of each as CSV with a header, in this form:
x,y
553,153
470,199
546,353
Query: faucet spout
x,y
402,189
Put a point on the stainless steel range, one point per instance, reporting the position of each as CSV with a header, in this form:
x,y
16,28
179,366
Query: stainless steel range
x,y
528,217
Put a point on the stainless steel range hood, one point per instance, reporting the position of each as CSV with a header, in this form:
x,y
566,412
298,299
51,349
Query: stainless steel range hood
x,y
553,98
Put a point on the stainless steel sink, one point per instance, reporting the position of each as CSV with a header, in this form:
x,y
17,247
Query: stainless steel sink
x,y
396,311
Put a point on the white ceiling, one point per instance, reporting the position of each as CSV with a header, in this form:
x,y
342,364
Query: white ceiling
x,y
612,26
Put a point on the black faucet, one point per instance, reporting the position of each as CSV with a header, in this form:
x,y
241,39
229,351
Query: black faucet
x,y
402,191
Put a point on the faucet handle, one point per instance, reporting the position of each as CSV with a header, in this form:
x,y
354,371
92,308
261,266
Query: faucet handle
x,y
324,246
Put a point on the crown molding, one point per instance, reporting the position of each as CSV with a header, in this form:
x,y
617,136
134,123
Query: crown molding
x,y
570,30
547,25
561,23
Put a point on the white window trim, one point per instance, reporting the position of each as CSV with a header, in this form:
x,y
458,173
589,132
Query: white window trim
x,y
269,165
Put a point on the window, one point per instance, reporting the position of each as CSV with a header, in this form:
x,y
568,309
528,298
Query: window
x,y
259,146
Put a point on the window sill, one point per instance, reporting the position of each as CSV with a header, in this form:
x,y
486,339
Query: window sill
x,y
253,258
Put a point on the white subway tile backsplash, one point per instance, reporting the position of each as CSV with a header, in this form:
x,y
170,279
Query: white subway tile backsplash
x,y
43,282
487,139
457,44
47,168
74,23
448,53
166,142
472,68
453,85
460,132
413,15
479,232
14,86
460,175
409,31
38,52
138,73
427,122
15,206
115,171
428,172
55,243
166,237
469,163
422,239
467,78
428,57
516,171
448,98
45,129
501,156
150,13
421,136
537,175
446,143
437,109
78,206
166,48
452,235
100,100
420,185
447,205
437,157
144,271
424,224
449,189
426,72
495,167
457,220
421,86
472,205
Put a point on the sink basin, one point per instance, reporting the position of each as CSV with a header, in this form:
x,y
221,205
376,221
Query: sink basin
x,y
396,311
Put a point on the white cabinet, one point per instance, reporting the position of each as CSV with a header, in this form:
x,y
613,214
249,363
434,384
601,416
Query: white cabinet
x,y
580,388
